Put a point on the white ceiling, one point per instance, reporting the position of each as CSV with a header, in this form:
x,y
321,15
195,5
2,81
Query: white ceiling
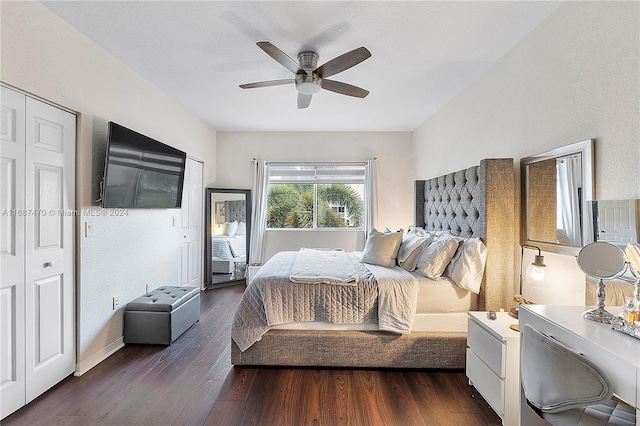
x,y
423,54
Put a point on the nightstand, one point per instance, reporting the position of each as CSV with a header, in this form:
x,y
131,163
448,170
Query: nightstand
x,y
493,363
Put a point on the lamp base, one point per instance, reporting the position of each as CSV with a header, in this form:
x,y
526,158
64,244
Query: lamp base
x,y
599,315
513,312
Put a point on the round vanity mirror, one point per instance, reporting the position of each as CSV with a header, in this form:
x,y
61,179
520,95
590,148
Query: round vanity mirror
x,y
601,260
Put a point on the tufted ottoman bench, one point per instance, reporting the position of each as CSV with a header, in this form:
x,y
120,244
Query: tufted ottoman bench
x,y
162,315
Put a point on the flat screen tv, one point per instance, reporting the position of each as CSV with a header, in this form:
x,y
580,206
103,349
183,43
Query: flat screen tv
x,y
141,172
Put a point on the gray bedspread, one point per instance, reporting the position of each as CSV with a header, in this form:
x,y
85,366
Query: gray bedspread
x,y
384,295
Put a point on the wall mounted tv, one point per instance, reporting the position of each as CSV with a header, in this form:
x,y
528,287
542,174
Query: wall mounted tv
x,y
141,172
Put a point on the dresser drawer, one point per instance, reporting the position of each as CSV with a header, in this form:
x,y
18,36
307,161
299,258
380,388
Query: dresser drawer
x,y
486,382
487,347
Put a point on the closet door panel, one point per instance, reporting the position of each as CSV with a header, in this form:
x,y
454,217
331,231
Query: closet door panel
x,y
50,234
12,252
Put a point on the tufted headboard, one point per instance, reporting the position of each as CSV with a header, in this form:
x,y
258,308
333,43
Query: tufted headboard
x,y
477,202
235,210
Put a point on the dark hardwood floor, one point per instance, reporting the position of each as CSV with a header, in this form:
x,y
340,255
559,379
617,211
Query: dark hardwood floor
x,y
192,382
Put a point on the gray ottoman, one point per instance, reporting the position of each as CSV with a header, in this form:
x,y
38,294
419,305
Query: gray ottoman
x,y
162,315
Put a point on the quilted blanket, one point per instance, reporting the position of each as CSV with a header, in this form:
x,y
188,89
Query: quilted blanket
x,y
324,266
388,298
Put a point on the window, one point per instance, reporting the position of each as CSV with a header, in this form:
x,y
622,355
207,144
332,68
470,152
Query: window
x,y
316,196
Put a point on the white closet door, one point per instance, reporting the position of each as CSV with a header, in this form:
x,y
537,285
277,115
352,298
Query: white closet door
x,y
618,221
12,253
49,246
191,245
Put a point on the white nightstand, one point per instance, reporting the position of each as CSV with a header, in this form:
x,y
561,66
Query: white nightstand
x,y
493,363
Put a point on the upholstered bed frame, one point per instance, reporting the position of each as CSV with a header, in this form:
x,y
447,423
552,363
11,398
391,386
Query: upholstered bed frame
x,y
475,202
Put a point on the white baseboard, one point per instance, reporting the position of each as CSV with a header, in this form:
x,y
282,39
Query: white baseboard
x,y
97,358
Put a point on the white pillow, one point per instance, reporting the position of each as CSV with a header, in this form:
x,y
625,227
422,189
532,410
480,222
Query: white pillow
x,y
231,228
411,247
466,268
382,248
410,263
436,256
242,228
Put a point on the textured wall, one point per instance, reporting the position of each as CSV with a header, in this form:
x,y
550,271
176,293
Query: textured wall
x,y
45,56
573,78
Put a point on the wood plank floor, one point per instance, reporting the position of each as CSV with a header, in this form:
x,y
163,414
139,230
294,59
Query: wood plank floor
x,y
192,382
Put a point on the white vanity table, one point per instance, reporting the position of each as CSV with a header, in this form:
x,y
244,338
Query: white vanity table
x,y
617,354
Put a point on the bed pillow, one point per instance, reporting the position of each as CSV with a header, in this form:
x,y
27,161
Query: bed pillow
x,y
466,268
242,228
411,247
231,228
382,248
434,259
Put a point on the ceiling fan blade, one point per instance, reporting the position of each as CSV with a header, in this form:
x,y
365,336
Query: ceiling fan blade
x,y
267,83
277,54
303,100
344,88
343,62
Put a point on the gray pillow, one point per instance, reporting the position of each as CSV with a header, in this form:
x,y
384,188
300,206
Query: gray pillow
x,y
382,248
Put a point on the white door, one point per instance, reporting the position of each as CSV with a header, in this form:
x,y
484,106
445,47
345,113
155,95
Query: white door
x,y
50,235
191,227
38,329
617,221
12,254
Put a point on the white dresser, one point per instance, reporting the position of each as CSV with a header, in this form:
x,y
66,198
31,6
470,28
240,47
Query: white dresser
x,y
493,359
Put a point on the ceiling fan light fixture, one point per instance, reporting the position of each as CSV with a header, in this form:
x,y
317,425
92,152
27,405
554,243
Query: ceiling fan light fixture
x,y
308,84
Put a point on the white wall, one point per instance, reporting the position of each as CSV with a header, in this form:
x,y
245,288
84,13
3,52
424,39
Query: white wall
x,y
43,55
395,176
574,77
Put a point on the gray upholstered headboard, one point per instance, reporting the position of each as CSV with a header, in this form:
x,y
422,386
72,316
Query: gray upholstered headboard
x,y
477,202
235,210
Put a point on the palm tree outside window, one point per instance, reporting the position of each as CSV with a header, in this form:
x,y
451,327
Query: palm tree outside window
x,y
316,196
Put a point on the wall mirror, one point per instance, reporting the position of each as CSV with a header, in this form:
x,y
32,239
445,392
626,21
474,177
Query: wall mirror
x,y
227,235
555,188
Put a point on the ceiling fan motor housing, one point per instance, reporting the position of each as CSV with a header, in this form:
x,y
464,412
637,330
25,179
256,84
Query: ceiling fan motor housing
x,y
308,61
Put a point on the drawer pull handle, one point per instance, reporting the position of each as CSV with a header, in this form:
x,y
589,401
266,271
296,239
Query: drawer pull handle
x,y
48,264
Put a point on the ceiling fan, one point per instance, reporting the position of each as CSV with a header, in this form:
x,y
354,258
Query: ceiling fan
x,y
309,78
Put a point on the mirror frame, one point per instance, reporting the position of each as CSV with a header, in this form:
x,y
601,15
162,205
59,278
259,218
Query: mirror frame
x,y
585,148
207,232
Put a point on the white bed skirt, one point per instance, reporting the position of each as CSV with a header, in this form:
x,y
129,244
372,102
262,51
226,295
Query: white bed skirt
x,y
452,322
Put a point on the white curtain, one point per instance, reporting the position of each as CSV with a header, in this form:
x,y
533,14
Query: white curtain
x,y
371,197
568,201
259,219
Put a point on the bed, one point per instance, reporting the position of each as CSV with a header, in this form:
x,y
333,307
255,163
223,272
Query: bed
x,y
226,251
475,202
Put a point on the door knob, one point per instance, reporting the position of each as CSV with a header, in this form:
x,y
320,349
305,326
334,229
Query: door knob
x,y
48,264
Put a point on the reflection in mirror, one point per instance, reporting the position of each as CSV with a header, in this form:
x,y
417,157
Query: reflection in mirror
x,y
228,228
613,221
556,185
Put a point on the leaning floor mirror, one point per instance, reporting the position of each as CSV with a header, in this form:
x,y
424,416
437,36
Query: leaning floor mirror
x,y
227,235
